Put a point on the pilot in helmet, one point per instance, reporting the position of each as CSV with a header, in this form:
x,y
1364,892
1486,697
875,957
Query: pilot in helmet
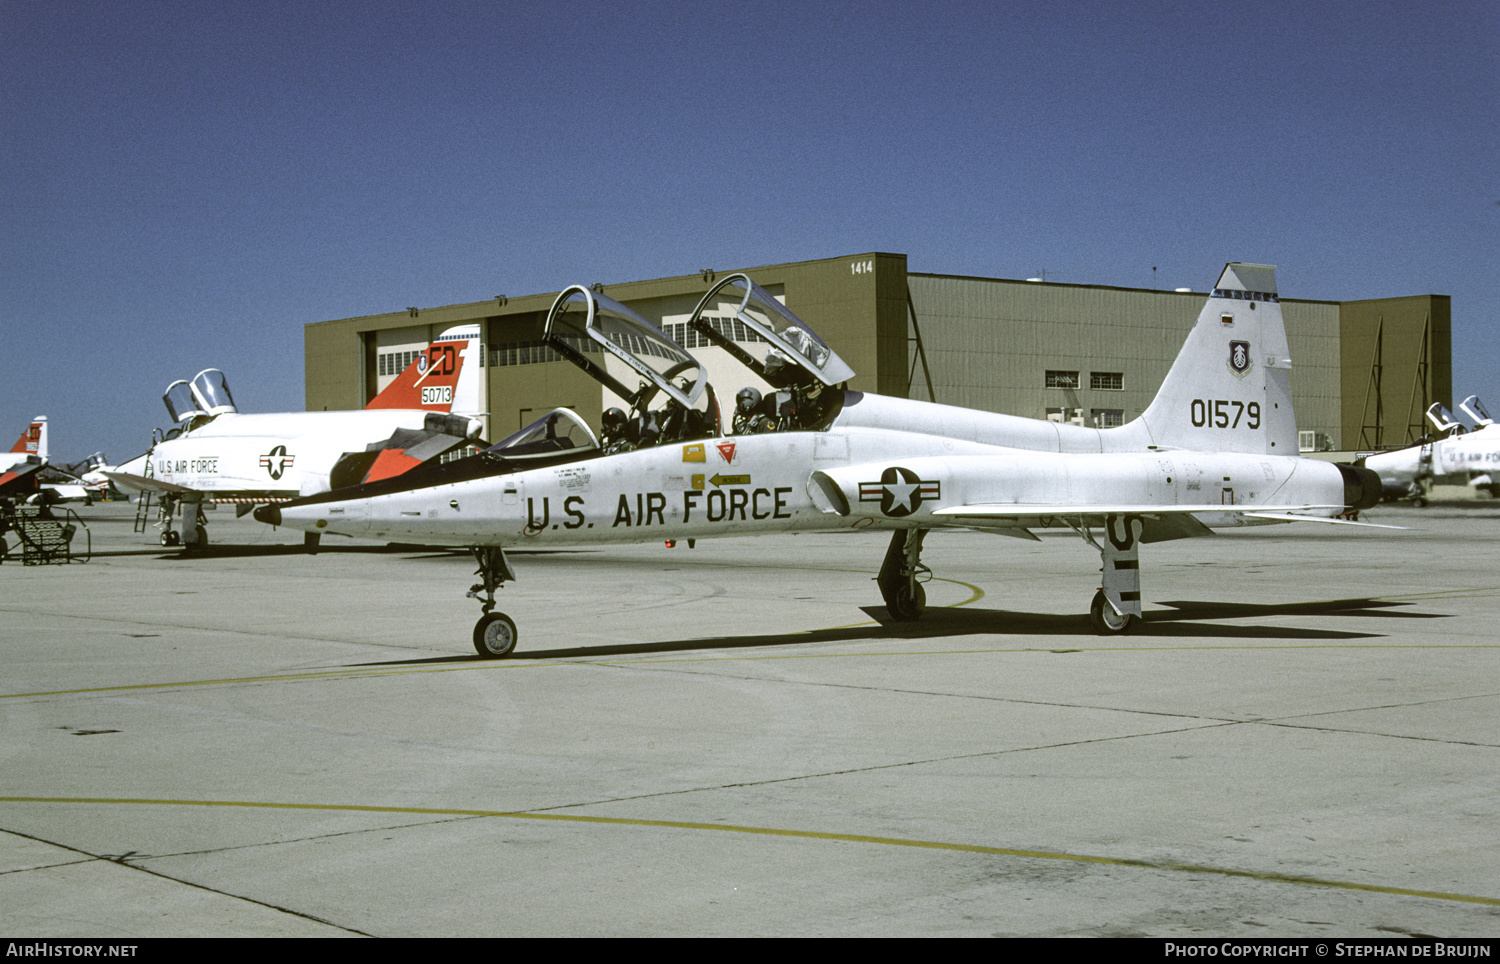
x,y
614,434
748,415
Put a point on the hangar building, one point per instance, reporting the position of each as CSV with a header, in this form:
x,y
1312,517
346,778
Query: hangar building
x,y
1363,374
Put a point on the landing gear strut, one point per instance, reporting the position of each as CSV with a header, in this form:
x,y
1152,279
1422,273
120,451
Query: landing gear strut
x,y
194,532
1116,608
898,580
495,633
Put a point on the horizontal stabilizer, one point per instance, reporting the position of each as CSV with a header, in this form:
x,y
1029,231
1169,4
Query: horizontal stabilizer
x,y
20,478
403,451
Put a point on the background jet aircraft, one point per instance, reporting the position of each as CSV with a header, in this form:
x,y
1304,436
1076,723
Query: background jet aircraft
x,y
218,455
1215,448
19,466
1467,456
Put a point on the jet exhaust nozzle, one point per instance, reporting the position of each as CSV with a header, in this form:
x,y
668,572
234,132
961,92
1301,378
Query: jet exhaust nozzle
x,y
1362,486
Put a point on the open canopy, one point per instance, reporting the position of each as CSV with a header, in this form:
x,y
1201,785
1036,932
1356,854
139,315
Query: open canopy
x,y
584,322
792,345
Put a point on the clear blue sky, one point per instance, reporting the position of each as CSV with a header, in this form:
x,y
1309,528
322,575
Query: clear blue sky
x,y
187,184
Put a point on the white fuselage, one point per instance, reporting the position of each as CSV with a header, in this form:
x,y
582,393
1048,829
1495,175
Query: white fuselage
x,y
1470,454
280,455
755,484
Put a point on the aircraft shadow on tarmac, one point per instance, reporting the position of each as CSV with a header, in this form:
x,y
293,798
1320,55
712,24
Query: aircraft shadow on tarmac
x,y
1186,621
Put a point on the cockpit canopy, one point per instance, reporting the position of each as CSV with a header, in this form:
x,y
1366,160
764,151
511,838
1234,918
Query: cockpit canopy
x,y
211,389
791,344
205,397
584,322
559,432
181,405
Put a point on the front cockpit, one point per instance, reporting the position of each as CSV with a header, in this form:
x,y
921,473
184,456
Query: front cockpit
x,y
560,434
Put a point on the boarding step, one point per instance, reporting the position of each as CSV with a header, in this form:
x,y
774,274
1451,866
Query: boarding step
x,y
45,538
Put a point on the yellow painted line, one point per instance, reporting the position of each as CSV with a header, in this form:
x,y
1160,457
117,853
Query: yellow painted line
x,y
1166,865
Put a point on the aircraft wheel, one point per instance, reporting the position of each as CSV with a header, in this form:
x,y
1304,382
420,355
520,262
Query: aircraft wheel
x,y
1106,621
909,603
494,636
200,539
170,538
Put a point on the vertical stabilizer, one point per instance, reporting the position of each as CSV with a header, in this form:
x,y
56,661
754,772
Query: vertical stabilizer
x,y
444,378
33,441
1230,388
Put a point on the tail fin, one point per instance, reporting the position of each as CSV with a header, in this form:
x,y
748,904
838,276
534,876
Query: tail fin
x,y
444,378
33,441
1230,388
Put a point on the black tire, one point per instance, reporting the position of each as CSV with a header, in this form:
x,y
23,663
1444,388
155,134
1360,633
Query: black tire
x,y
1106,621
495,636
170,538
909,603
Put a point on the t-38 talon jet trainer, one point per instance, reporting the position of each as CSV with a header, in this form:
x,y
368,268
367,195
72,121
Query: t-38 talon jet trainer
x,y
1467,455
217,455
1215,448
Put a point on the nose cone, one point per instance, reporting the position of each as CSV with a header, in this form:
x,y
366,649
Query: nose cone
x,y
269,514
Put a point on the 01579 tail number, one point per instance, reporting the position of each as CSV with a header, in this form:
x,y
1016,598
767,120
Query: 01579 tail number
x,y
1225,413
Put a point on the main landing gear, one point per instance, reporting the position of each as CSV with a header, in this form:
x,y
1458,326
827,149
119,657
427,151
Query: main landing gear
x,y
495,633
1116,608
902,574
194,525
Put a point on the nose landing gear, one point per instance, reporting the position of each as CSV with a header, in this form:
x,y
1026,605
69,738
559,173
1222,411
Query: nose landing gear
x,y
495,634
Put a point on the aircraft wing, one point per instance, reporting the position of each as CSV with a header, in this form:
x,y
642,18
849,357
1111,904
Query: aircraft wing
x,y
1288,517
1161,522
142,484
1009,510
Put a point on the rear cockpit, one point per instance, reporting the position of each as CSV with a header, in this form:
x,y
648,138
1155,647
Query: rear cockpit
x,y
789,357
195,403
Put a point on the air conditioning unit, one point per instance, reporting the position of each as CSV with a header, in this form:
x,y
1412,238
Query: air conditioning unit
x,y
1310,441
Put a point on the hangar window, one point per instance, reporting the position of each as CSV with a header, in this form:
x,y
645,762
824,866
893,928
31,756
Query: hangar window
x,y
394,362
1107,381
731,328
535,352
1059,379
1107,417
